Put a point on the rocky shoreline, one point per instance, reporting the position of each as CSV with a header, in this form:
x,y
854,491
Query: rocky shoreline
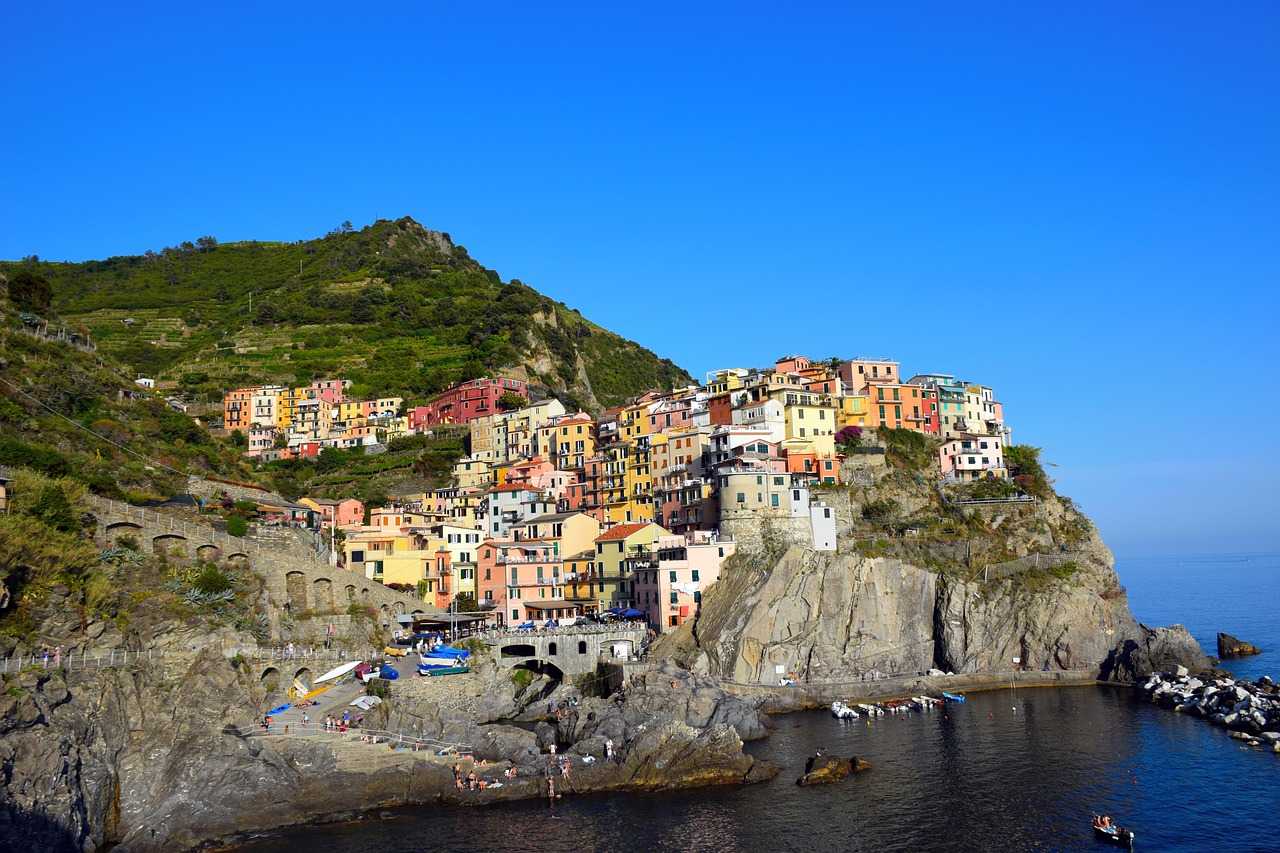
x,y
1249,709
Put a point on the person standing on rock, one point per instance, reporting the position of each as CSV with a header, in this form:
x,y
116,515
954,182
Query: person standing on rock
x,y
57,658
608,750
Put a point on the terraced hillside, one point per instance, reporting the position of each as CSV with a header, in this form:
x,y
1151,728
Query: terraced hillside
x,y
396,307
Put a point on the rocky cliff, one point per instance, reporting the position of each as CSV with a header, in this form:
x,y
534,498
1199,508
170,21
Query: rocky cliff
x,y
150,757
911,602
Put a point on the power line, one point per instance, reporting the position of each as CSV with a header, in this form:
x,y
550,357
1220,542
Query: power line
x,y
81,426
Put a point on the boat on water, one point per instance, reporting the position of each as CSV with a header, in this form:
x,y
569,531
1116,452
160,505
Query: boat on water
x,y
841,711
871,710
953,697
1115,834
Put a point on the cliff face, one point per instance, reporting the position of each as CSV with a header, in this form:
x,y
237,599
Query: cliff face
x,y
835,617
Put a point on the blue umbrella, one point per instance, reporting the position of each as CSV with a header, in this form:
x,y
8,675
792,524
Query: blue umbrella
x,y
632,613
551,623
614,610
526,625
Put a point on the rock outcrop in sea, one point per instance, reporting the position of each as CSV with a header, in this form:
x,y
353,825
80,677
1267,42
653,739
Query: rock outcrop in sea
x,y
1231,647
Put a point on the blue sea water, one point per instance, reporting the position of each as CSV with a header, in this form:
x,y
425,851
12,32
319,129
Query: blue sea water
x,y
1008,770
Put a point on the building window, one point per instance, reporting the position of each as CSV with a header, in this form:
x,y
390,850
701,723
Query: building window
x,y
695,575
673,576
675,598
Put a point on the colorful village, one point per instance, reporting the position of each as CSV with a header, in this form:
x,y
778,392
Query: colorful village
x,y
557,516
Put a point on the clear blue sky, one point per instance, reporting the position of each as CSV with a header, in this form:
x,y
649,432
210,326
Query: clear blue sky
x,y
1076,204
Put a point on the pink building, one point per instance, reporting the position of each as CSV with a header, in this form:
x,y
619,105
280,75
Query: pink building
x,y
337,513
669,591
467,401
331,390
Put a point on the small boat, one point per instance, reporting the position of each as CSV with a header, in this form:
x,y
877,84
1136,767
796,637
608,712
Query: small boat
x,y
871,710
841,711
448,670
1117,834
953,697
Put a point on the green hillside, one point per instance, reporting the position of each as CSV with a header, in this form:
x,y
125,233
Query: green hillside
x,y
397,308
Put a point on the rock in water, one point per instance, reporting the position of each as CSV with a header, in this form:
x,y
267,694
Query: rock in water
x,y
824,769
1231,647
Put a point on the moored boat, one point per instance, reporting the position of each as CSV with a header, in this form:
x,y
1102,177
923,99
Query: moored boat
x,y
953,697
841,711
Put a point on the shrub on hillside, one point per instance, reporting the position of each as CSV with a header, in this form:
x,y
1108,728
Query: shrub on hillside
x,y
237,526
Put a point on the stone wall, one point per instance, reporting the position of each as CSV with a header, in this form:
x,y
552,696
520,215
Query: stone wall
x,y
298,583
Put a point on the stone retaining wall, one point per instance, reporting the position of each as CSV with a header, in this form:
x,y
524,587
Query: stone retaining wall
x,y
299,583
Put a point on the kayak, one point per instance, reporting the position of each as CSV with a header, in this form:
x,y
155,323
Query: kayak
x,y
953,697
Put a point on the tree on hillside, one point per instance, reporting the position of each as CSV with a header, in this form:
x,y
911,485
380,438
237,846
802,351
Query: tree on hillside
x,y
510,401
207,244
30,291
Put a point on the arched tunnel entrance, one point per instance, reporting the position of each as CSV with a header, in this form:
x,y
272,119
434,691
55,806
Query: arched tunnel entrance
x,y
543,680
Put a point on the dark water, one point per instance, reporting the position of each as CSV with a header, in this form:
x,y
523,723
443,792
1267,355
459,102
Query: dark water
x,y
982,776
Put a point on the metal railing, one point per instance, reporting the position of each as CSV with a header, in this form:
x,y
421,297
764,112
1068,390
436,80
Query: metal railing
x,y
78,660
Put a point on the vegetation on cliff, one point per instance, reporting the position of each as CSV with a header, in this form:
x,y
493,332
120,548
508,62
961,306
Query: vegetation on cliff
x,y
397,308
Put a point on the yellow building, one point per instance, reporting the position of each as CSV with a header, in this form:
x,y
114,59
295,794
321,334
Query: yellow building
x,y
472,473
852,411
808,415
620,551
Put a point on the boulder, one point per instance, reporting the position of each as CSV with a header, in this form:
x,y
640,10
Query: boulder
x,y
1231,647
1155,650
824,769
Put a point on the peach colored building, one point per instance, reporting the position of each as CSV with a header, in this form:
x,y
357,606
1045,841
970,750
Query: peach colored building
x,y
675,571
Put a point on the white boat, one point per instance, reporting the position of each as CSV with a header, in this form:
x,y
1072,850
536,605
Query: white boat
x,y
338,671
871,710
841,711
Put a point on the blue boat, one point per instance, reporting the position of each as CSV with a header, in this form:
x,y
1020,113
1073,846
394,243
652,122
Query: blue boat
x,y
452,654
953,697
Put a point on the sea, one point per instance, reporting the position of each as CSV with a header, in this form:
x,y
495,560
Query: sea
x,y
1008,770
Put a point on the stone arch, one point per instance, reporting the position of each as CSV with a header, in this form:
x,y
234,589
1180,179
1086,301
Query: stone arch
x,y
364,595
397,608
551,649
208,553
271,678
518,650
304,675
582,647
123,528
542,667
384,612
239,558
166,542
351,594
295,585
322,593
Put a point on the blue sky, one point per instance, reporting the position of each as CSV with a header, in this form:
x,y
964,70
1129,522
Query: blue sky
x,y
1076,204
